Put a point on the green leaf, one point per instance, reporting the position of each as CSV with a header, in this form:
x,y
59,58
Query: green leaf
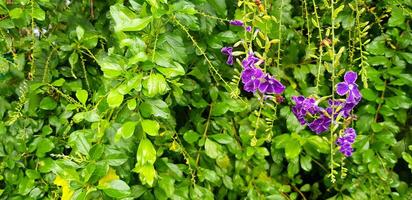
x,y
82,96
199,192
219,109
147,174
369,94
305,162
155,85
146,153
173,44
292,149
96,151
114,99
74,57
408,158
377,46
38,13
16,13
47,103
222,138
153,3
79,32
45,145
172,70
191,136
126,20
112,66
131,104
167,184
219,6
91,116
397,18
78,141
127,130
151,127
212,148
157,108
116,189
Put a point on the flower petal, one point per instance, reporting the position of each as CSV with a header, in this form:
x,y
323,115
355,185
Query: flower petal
x,y
356,92
350,77
229,60
236,23
278,87
342,88
227,50
246,75
263,87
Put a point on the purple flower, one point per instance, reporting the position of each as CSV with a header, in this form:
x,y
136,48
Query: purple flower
x,y
248,28
304,106
321,124
228,51
236,23
349,87
250,61
345,142
270,85
251,79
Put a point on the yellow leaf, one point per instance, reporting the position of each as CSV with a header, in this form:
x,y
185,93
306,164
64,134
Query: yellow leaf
x,y
66,190
110,176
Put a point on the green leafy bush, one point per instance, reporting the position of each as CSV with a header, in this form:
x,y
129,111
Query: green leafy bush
x,y
134,99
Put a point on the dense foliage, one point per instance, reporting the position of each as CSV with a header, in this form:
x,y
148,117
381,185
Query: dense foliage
x,y
151,99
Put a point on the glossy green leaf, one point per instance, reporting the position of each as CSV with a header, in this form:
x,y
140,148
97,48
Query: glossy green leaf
x,y
150,127
82,96
114,98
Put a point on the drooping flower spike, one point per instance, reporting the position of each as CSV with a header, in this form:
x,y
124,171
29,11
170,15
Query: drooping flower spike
x,y
345,142
349,87
228,51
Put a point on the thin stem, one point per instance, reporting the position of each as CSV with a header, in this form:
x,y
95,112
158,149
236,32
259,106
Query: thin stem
x,y
46,65
297,190
307,21
280,33
32,63
204,133
333,92
84,71
320,47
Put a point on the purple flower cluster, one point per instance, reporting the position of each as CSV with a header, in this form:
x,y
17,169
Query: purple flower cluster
x,y
308,108
240,23
255,79
345,142
317,118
